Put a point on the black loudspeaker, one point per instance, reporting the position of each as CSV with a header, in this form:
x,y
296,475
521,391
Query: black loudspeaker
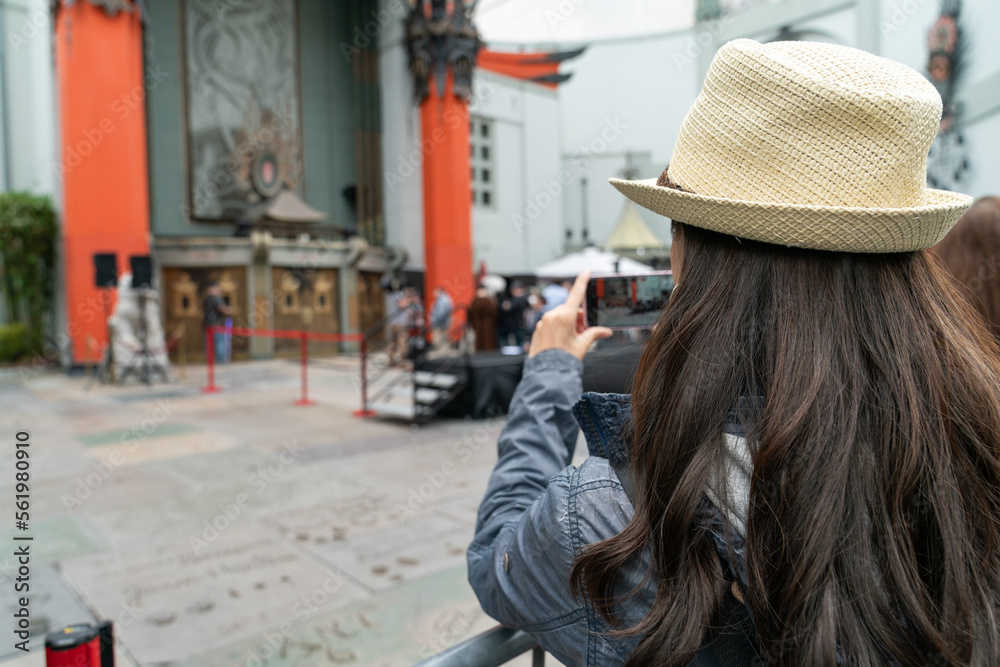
x,y
105,269
142,271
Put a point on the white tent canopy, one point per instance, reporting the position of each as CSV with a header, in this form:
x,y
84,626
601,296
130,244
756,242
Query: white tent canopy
x,y
631,232
553,22
591,259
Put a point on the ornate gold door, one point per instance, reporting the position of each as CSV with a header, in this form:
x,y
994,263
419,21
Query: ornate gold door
x,y
305,300
184,292
371,302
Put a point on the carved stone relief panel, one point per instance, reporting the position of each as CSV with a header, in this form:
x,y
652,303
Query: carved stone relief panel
x,y
243,99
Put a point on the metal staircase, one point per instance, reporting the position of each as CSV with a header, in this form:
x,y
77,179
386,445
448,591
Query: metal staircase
x,y
415,395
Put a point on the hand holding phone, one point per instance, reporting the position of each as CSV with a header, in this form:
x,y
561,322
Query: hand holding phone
x,y
627,301
560,328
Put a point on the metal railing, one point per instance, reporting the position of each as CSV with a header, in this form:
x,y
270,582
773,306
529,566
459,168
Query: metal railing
x,y
490,649
420,331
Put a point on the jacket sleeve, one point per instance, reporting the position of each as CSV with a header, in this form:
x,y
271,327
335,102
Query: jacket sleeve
x,y
522,553
537,441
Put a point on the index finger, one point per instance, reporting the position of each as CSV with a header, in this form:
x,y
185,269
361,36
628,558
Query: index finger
x,y
576,293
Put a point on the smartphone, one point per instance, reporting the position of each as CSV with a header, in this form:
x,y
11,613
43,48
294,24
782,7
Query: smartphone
x,y
627,302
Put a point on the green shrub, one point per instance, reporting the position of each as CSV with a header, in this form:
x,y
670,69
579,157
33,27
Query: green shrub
x,y
13,342
28,236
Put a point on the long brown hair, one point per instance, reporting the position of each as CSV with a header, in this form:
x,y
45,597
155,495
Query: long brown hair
x,y
971,254
874,518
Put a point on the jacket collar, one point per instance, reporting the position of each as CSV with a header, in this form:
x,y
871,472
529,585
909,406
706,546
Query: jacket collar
x,y
606,422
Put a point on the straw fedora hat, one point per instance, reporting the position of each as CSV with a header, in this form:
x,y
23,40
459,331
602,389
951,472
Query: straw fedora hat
x,y
808,145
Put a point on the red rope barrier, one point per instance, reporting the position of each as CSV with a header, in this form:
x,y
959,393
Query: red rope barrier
x,y
286,333
304,338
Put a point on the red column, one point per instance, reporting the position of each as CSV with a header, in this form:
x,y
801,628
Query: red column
x,y
447,203
102,122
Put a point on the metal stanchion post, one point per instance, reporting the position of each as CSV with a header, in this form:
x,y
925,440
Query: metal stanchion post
x,y
364,411
210,354
304,342
181,351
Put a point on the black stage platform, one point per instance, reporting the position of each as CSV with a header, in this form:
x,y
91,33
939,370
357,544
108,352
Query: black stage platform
x,y
494,376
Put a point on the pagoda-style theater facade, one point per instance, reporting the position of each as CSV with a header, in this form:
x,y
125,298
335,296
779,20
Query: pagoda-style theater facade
x,y
240,145
255,144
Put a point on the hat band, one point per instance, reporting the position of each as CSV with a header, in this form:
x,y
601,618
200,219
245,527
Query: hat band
x,y
664,181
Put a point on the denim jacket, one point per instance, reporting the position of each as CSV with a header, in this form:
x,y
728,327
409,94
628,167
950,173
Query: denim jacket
x,y
539,512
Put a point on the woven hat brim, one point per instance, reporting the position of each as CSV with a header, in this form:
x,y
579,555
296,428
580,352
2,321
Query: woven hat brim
x,y
836,228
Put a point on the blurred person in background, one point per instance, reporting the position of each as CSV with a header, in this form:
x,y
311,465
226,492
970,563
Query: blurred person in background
x,y
416,327
441,312
536,308
971,254
555,294
483,318
215,311
397,306
511,317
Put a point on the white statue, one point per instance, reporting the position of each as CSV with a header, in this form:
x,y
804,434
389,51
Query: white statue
x,y
137,314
